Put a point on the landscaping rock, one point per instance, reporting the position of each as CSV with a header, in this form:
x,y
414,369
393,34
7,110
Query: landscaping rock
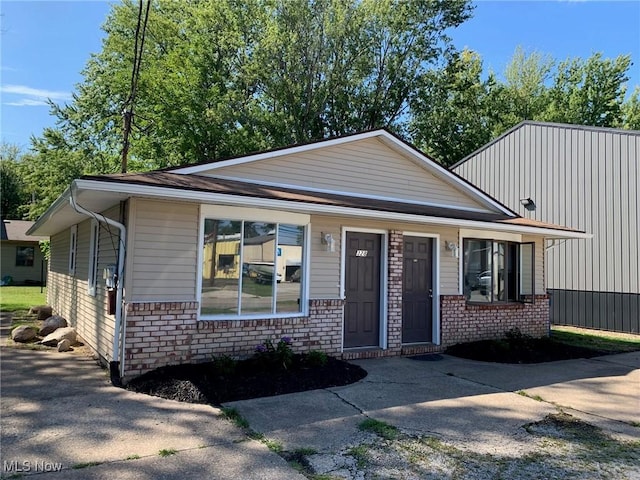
x,y
43,311
60,334
23,333
64,345
51,324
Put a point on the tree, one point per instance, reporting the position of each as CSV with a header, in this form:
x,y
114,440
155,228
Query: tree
x,y
226,77
589,92
452,113
12,191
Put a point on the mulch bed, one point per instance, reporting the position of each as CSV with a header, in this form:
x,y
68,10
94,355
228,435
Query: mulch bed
x,y
521,350
213,383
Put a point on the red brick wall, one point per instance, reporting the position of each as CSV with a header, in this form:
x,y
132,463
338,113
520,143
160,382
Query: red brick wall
x,y
462,322
159,334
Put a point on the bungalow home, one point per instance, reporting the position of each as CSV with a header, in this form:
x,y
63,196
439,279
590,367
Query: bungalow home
x,y
360,246
21,260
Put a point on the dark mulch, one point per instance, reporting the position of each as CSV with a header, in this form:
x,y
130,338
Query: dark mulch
x,y
215,382
521,349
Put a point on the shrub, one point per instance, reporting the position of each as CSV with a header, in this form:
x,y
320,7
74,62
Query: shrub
x,y
225,365
278,356
316,358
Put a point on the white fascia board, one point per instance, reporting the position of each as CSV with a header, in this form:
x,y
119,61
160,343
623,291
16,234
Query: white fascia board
x,y
195,169
312,208
61,202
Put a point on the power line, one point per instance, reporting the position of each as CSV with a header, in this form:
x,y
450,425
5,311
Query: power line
x,y
127,110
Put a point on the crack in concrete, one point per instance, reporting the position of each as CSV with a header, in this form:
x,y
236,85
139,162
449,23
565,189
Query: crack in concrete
x,y
347,401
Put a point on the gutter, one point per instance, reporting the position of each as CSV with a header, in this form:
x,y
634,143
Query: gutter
x,y
116,364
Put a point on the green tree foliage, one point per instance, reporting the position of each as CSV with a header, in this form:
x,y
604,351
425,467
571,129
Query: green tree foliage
x,y
452,113
459,111
12,189
225,77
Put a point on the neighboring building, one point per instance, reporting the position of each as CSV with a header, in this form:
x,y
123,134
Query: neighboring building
x,y
379,251
21,261
585,178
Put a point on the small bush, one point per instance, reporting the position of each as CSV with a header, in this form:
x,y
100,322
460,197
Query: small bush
x,y
278,356
225,365
316,358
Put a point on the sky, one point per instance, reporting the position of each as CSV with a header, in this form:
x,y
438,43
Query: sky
x,y
44,45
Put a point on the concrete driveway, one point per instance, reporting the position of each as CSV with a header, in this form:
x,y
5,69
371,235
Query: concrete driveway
x,y
482,405
59,410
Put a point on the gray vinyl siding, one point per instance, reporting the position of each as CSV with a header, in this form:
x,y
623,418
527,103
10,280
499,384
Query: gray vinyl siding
x,y
365,167
163,244
67,293
584,178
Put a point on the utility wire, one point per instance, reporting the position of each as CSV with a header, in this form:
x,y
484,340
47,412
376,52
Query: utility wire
x,y
127,110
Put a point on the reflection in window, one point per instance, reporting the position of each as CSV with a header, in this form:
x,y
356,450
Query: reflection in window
x,y
251,268
25,256
498,271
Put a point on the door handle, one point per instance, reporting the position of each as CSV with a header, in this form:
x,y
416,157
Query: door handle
x,y
431,293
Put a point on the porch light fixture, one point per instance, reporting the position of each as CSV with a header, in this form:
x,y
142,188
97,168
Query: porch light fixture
x,y
327,239
451,247
528,203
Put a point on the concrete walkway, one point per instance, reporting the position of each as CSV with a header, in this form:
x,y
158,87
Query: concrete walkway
x,y
482,405
61,409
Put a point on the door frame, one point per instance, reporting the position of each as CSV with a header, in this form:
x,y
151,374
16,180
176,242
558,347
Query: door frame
x,y
384,245
435,304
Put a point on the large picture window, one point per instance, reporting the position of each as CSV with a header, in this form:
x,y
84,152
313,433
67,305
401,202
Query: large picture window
x,y
497,271
251,268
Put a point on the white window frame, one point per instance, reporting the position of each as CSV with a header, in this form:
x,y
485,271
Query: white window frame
x,y
92,277
73,249
220,212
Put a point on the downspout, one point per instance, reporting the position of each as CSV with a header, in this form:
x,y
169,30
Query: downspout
x,y
115,364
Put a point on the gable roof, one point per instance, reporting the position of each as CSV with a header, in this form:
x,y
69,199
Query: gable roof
x,y
386,137
16,231
564,126
98,193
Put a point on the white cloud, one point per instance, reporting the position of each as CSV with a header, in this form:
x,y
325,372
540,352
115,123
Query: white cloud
x,y
27,102
31,97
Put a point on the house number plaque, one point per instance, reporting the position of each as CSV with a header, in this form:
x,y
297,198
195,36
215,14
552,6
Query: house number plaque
x,y
362,253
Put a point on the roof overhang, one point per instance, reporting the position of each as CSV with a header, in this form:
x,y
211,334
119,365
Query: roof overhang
x,y
61,215
97,196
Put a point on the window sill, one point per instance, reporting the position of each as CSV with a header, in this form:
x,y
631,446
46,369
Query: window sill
x,y
495,305
227,318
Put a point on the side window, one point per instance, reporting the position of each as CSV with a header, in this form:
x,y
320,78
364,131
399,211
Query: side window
x,y
93,258
73,243
25,256
496,271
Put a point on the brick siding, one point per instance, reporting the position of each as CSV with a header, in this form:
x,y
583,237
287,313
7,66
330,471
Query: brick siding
x,y
169,333
462,322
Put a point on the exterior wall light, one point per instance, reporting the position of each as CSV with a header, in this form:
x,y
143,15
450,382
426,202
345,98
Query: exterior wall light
x,y
528,203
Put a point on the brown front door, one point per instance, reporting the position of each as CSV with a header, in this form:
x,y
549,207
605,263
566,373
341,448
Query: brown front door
x,y
362,289
417,290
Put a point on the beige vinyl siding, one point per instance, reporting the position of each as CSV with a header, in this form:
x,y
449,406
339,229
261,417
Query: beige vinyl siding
x,y
20,274
325,266
539,262
365,167
163,251
67,294
579,177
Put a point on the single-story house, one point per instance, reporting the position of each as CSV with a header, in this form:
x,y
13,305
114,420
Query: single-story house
x,y
586,178
394,254
21,260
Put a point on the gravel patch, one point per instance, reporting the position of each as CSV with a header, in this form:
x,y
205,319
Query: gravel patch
x,y
558,447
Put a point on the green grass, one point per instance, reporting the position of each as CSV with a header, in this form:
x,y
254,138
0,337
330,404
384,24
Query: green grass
x,y
233,415
602,341
18,299
360,454
166,452
382,429
79,466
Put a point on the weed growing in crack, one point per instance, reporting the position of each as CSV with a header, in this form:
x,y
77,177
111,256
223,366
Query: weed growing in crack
x,y
382,429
